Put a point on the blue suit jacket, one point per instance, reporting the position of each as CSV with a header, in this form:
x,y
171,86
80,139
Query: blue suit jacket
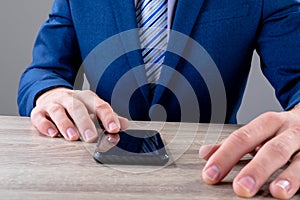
x,y
228,30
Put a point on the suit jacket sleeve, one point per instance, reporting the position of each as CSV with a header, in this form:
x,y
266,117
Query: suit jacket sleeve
x,y
56,58
279,48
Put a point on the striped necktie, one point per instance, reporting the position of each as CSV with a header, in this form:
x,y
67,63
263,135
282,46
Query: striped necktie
x,y
153,24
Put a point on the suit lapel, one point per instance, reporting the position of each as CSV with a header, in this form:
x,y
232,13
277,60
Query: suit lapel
x,y
185,16
125,17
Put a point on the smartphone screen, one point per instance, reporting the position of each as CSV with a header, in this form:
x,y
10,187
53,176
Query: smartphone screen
x,y
135,147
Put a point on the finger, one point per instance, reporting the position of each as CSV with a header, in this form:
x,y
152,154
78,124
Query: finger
x,y
272,156
254,152
93,117
205,152
124,123
288,182
108,118
239,143
108,141
66,127
102,109
42,124
80,116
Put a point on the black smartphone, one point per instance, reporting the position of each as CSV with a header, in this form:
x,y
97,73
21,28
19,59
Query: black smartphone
x,y
134,147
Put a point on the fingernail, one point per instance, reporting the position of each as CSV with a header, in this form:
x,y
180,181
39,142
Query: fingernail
x,y
71,133
51,132
111,139
89,135
247,183
284,184
212,173
112,126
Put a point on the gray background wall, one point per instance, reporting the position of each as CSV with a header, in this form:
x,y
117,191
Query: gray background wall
x,y
19,23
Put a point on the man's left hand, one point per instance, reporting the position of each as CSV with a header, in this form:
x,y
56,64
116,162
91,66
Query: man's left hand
x,y
275,139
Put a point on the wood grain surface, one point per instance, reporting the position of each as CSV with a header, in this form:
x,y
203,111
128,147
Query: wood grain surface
x,y
36,167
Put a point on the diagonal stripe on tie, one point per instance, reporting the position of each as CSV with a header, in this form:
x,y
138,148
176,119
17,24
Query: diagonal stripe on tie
x,y
152,21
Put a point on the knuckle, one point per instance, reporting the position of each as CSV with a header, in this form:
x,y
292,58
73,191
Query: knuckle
x,y
88,94
295,131
71,103
292,134
273,116
74,104
66,92
60,94
104,106
35,111
54,108
75,107
35,120
241,136
70,107
280,148
64,96
78,94
36,115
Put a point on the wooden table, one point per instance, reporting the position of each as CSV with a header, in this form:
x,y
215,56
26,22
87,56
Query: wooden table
x,y
35,167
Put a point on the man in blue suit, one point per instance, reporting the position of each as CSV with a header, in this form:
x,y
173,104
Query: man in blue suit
x,y
229,31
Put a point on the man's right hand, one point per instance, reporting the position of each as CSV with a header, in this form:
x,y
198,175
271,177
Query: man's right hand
x,y
67,112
